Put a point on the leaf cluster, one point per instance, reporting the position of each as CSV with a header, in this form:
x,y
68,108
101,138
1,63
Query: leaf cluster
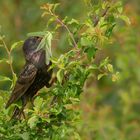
x,y
55,112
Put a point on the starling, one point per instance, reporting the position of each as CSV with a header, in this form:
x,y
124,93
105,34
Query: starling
x,y
33,76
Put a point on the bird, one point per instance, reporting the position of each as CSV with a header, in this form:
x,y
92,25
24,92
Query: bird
x,y
34,75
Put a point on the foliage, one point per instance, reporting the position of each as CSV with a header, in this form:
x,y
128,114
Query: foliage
x,y
55,114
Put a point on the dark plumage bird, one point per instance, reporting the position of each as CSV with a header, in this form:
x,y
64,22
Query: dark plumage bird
x,y
33,76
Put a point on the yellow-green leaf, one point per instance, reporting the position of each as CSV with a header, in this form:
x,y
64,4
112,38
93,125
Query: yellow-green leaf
x,y
126,19
4,61
115,77
14,80
110,68
38,103
60,75
33,121
101,75
16,44
4,78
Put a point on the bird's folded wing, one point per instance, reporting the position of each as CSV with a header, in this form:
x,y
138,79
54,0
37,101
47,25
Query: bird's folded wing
x,y
25,80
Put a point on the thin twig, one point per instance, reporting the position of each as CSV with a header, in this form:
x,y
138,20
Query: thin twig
x,y
97,19
9,56
66,27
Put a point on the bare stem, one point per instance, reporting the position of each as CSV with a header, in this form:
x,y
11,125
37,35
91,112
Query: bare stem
x,y
66,27
9,56
97,19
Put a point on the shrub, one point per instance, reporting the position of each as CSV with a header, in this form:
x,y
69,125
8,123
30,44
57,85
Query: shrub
x,y
55,113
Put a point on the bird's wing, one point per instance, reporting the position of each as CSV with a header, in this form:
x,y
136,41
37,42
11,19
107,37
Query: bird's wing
x,y
25,80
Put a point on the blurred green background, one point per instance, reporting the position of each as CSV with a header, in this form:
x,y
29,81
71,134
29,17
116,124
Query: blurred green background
x,y
109,110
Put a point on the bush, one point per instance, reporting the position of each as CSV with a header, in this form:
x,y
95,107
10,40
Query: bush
x,y
55,114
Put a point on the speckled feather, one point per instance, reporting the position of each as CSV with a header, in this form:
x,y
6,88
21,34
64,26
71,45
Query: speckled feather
x,y
33,77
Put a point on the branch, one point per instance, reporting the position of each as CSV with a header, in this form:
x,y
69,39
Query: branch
x,y
97,19
66,27
9,56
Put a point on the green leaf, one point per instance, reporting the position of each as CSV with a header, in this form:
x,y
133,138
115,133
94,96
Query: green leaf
x,y
104,62
1,102
46,119
50,21
86,42
115,77
91,52
46,45
4,61
119,6
14,80
126,19
55,6
73,64
56,111
73,21
109,31
101,75
73,100
93,67
68,106
16,44
40,34
60,75
110,68
4,78
38,103
32,122
54,60
77,136
120,9
25,136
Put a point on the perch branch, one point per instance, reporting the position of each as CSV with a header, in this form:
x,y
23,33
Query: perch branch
x,y
66,27
97,19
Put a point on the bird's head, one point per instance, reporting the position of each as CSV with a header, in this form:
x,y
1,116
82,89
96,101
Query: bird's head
x,y
30,51
30,45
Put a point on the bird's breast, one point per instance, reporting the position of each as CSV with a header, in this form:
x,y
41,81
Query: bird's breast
x,y
38,59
